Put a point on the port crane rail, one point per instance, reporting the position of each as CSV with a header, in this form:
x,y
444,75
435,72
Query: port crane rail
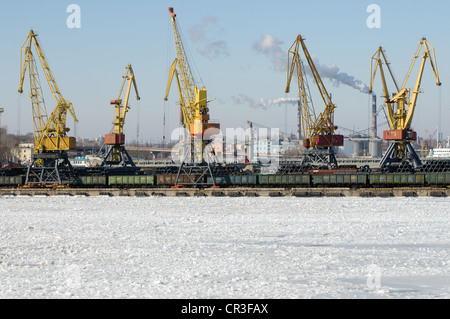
x,y
197,156
117,155
50,164
319,138
401,107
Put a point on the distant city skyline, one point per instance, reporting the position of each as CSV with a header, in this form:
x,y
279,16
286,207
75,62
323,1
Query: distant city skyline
x,y
238,51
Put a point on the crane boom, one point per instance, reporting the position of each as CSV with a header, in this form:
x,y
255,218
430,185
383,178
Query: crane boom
x,y
378,60
187,87
318,131
430,55
122,108
402,104
50,163
117,155
50,133
193,100
400,118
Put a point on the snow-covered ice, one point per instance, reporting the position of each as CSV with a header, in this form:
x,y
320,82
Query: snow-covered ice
x,y
238,248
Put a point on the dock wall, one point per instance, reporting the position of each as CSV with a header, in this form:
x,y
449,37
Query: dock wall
x,y
232,192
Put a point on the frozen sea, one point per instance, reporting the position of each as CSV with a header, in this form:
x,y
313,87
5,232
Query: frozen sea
x,y
224,248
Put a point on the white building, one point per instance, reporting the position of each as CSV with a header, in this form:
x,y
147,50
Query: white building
x,y
266,146
439,153
22,154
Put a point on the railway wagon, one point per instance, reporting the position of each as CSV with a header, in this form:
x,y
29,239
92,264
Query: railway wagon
x,y
131,181
12,181
376,180
234,180
91,181
437,179
220,180
167,180
249,180
284,180
340,180
415,180
397,180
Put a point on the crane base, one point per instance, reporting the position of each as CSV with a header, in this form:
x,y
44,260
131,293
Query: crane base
x,y
118,156
196,174
49,169
400,153
319,158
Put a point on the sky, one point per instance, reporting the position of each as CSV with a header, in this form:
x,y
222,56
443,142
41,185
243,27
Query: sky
x,y
238,50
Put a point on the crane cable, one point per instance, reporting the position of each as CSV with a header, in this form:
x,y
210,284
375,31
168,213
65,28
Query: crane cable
x,y
19,106
190,56
138,111
166,105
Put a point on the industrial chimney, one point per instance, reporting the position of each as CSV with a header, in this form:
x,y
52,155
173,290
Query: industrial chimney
x,y
374,116
375,148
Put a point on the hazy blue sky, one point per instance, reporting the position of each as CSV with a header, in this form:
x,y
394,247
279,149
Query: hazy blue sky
x,y
225,39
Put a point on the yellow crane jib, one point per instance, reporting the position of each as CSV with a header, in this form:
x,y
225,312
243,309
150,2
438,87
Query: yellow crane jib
x,y
50,132
318,131
401,105
193,100
121,108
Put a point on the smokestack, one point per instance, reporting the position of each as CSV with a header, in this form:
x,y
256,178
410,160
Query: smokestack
x,y
374,116
250,139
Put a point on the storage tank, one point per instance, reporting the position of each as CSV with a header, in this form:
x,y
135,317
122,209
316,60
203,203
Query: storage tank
x,y
375,149
358,148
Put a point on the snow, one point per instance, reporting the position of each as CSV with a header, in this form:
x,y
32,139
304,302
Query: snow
x,y
235,248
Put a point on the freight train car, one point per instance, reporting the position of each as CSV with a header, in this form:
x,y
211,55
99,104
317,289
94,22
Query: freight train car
x,y
234,180
90,181
340,180
133,181
284,180
12,181
308,180
169,180
397,180
437,179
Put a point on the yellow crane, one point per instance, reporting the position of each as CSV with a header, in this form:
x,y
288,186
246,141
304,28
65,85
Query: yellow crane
x,y
401,106
117,154
50,164
195,113
318,131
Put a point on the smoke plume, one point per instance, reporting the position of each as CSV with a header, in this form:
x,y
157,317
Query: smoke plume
x,y
215,49
332,73
212,49
271,47
263,103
